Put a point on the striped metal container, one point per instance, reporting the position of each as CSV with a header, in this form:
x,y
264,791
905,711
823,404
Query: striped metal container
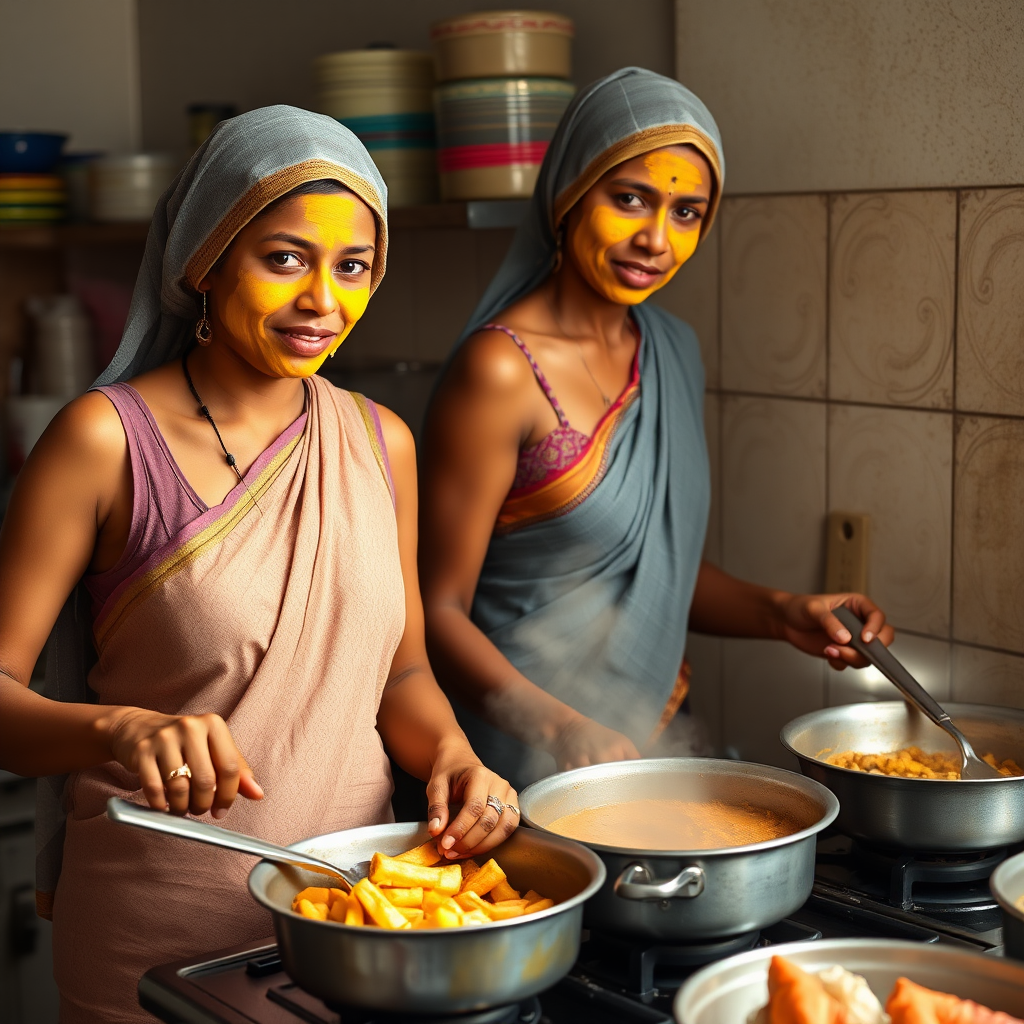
x,y
503,44
385,97
493,134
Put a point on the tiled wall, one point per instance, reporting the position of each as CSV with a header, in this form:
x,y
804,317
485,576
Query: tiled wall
x,y
865,352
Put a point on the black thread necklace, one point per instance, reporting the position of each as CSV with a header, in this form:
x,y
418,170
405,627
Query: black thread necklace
x,y
205,413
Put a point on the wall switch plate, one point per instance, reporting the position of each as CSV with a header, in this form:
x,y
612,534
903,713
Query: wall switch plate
x,y
846,552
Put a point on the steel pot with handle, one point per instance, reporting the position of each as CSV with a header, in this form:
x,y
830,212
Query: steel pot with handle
x,y
925,815
692,895
433,971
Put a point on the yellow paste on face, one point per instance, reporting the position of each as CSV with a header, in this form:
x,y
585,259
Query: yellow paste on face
x,y
665,824
914,763
603,227
330,222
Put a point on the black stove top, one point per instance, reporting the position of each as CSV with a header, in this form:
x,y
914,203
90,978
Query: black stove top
x,y
858,892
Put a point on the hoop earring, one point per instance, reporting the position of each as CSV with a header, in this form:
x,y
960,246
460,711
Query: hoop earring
x,y
204,332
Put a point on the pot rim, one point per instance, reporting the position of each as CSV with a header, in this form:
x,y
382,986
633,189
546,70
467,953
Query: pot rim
x,y
996,884
693,765
813,717
316,843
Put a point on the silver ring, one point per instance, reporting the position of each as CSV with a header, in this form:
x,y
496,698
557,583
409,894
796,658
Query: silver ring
x,y
184,772
513,809
493,801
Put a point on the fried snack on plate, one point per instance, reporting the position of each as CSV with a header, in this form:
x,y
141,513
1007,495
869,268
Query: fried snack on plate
x,y
401,874
913,1004
796,997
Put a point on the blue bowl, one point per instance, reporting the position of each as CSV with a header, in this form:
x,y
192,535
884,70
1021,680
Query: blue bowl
x,y
30,152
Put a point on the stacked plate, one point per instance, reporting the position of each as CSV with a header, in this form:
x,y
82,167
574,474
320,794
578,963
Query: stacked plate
x,y
505,88
385,97
32,199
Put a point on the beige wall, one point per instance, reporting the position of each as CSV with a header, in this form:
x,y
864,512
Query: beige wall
x,y
69,65
832,94
255,52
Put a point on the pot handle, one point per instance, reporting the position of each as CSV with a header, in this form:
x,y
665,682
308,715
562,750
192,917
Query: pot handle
x,y
635,884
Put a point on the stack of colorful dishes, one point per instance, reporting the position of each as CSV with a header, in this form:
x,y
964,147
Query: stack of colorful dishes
x,y
30,193
32,199
505,76
385,97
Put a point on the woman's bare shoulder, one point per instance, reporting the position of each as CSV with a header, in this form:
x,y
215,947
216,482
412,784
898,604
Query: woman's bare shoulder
x,y
87,427
491,364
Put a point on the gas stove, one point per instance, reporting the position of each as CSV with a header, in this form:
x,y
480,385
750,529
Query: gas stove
x,y
858,893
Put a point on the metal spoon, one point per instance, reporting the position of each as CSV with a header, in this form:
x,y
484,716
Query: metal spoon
x,y
881,657
127,813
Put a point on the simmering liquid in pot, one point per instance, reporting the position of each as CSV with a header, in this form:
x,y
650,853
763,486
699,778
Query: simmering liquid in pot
x,y
665,824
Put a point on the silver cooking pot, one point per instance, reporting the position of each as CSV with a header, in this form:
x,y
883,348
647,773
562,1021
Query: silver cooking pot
x,y
435,971
728,991
692,895
1007,885
926,815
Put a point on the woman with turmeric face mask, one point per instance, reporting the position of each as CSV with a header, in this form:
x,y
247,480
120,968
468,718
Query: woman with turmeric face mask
x,y
238,540
566,487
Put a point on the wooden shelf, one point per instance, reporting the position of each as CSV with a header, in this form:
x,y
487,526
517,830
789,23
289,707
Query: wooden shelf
x,y
491,213
59,236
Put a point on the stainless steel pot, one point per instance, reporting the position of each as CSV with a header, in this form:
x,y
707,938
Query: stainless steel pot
x,y
1007,885
438,971
728,991
690,896
926,815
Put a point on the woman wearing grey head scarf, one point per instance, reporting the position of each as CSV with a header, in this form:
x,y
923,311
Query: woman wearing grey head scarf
x,y
566,483
245,538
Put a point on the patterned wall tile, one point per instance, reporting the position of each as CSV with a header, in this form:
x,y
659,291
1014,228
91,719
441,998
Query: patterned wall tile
x,y
765,684
773,490
928,661
705,656
891,298
692,295
990,327
987,677
988,558
712,432
773,294
896,465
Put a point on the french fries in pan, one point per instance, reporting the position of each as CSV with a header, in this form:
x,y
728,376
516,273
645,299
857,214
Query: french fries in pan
x,y
413,891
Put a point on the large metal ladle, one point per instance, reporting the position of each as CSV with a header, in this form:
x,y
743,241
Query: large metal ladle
x,y
881,657
126,813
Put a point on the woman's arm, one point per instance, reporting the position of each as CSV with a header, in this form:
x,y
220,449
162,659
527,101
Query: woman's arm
x,y
415,719
67,493
478,420
725,606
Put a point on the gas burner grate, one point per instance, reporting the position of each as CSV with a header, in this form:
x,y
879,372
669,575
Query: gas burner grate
x,y
646,970
312,1010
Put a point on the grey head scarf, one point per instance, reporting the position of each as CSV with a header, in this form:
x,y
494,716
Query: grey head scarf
x,y
246,163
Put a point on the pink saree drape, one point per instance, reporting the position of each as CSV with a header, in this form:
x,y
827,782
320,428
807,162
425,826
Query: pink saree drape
x,y
259,611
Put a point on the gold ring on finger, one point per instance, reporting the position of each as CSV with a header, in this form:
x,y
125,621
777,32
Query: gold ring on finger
x,y
493,801
184,772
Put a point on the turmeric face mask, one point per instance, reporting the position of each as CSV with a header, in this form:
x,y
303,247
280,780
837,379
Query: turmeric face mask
x,y
640,223
295,283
